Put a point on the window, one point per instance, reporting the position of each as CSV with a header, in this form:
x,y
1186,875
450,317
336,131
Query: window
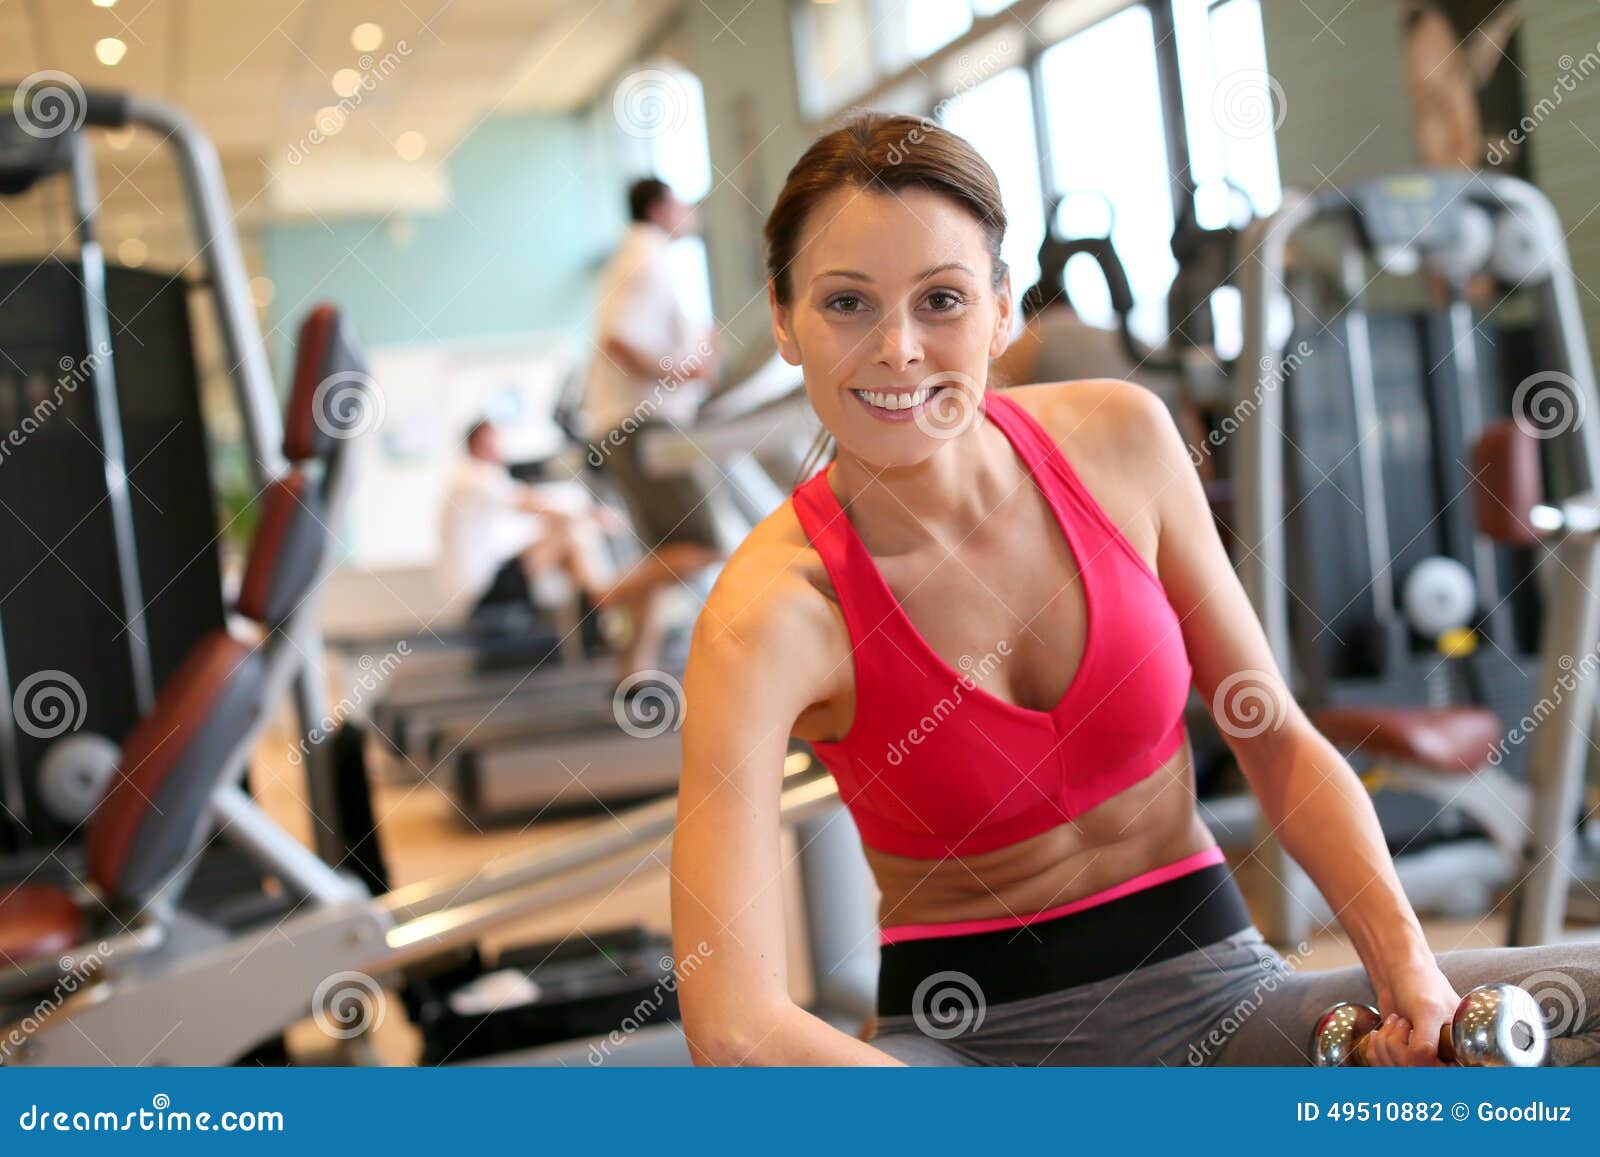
x,y
1107,139
1231,108
1230,105
833,48
1126,119
680,154
909,30
997,117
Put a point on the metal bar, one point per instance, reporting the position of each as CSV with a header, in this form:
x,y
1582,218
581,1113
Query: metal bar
x,y
1163,30
1260,551
245,824
842,937
581,864
626,830
1572,348
23,980
311,708
211,218
102,372
12,798
1369,437
1469,390
1559,747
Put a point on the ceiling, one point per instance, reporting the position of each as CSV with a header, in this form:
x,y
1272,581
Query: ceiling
x,y
259,77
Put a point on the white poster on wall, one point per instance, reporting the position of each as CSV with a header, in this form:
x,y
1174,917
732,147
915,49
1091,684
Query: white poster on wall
x,y
431,395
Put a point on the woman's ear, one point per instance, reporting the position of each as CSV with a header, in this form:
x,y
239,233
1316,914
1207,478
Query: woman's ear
x,y
1002,317
780,327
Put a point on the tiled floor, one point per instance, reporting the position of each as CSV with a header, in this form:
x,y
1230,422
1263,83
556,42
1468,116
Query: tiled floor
x,y
425,836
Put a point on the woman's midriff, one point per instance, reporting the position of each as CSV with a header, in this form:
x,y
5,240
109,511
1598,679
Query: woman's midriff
x,y
1149,826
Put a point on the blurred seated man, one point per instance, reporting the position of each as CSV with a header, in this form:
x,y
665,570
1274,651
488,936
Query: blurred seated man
x,y
509,547
1057,345
650,366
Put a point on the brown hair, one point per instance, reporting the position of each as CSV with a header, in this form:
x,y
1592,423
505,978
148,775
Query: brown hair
x,y
886,154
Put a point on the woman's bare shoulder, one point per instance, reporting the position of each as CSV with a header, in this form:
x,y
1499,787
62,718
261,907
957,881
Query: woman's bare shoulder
x,y
1122,442
772,607
1098,409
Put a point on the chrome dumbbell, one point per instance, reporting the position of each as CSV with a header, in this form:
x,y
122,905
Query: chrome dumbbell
x,y
1495,1025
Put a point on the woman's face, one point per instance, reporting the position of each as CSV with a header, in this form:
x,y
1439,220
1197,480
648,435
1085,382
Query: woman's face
x,y
894,316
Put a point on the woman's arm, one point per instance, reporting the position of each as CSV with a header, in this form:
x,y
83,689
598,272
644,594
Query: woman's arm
x,y
758,655
1316,805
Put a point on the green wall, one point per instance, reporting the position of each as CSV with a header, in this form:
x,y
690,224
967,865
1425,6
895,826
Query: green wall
x,y
517,250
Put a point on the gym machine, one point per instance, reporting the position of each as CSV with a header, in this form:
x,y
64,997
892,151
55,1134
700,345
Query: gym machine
x,y
178,993
110,552
1411,627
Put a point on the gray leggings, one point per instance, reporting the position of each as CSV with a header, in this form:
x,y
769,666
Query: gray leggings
x,y
1235,1002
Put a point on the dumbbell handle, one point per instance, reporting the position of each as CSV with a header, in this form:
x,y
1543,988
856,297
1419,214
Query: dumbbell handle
x,y
1447,1047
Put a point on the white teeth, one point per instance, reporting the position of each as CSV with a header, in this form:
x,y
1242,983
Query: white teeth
x,y
894,401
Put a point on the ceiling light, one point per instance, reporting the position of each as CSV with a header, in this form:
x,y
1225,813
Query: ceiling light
x,y
410,145
346,81
366,37
110,51
329,120
132,252
262,291
105,3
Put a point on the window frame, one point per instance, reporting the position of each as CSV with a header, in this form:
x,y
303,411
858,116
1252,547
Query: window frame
x,y
1169,77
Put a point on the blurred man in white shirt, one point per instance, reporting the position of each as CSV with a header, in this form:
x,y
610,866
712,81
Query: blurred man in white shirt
x,y
650,366
506,544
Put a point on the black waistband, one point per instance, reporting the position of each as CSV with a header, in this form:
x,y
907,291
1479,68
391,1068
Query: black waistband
x,y
1150,925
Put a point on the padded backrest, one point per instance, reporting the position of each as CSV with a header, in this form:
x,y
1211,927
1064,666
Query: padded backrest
x,y
1506,483
332,396
286,555
154,810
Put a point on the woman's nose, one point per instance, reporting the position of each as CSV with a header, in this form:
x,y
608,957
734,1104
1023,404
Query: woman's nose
x,y
898,345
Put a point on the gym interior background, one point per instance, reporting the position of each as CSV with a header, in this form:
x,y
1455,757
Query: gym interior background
x,y
263,264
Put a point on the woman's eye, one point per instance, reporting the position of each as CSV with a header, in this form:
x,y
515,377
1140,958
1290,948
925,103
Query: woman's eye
x,y
846,303
943,299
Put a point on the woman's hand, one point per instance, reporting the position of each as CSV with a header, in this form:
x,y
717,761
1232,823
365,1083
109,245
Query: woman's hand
x,y
1416,1003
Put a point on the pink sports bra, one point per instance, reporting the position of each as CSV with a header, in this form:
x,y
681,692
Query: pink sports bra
x,y
933,766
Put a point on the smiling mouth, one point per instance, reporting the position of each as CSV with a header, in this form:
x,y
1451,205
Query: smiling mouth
x,y
899,400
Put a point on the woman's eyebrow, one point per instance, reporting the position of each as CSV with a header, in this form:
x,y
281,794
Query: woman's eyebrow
x,y
857,275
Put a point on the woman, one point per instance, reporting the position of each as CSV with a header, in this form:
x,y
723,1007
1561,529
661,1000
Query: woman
x,y
1036,573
